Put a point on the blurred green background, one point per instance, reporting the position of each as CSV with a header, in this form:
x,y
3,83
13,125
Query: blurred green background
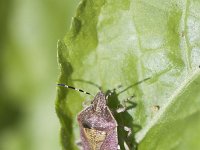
x,y
29,33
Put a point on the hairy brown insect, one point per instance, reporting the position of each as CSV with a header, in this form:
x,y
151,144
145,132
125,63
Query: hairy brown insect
x,y
98,127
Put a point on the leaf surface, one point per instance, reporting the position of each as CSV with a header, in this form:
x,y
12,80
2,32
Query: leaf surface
x,y
125,42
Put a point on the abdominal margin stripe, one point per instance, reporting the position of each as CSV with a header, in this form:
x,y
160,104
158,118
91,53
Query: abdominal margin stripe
x,y
140,135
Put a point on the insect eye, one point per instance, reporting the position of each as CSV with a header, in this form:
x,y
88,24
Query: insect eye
x,y
86,125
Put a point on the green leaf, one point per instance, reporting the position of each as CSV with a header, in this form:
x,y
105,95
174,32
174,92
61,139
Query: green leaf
x,y
125,42
178,122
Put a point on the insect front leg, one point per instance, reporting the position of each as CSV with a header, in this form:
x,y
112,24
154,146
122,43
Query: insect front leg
x,y
110,92
123,107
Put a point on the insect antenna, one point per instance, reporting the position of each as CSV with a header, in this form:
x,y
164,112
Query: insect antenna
x,y
71,87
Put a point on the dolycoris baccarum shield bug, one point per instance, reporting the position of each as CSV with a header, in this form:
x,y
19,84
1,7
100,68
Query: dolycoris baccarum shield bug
x,y
98,126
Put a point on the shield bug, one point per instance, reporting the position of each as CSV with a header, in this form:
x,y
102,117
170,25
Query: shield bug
x,y
98,127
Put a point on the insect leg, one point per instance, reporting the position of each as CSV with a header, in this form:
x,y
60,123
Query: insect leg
x,y
112,91
123,107
128,130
